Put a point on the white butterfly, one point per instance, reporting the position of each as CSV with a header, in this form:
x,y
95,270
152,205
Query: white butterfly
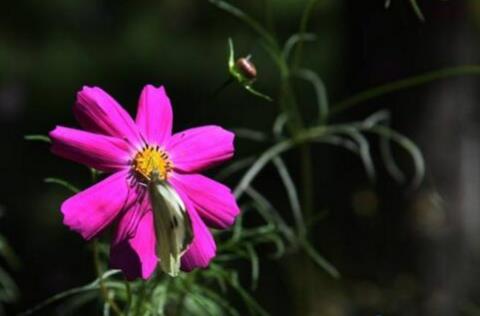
x,y
173,227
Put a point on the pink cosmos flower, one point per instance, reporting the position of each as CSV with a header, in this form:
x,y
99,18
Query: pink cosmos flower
x,y
113,142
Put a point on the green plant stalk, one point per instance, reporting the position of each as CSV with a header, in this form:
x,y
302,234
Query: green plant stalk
x,y
187,284
128,290
295,125
307,180
305,150
307,12
403,84
103,288
269,20
289,105
141,298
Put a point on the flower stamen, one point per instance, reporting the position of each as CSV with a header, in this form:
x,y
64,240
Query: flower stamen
x,y
151,159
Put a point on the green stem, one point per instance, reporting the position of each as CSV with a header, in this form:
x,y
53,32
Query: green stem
x,y
103,288
305,151
288,105
128,290
307,180
307,12
404,84
141,298
269,21
220,88
417,10
295,125
257,27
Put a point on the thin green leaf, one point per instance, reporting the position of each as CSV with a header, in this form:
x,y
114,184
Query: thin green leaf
x,y
160,297
294,40
106,308
231,54
252,305
95,285
219,300
402,84
234,167
270,214
277,241
62,183
94,174
250,134
417,10
320,92
364,152
73,304
236,12
279,125
377,118
339,141
199,304
259,164
8,254
8,289
319,259
292,195
268,41
255,266
250,89
307,13
40,138
252,233
389,160
218,277
237,228
410,147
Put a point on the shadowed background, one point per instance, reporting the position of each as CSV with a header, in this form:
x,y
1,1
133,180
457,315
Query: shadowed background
x,y
399,252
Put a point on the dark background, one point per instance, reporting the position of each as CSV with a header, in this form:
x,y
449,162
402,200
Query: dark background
x,y
400,252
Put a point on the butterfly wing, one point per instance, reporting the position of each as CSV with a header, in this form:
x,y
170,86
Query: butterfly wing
x,y
173,227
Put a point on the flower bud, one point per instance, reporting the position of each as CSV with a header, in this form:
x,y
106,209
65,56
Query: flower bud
x,y
246,68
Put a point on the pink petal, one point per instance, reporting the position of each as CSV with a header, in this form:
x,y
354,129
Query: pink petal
x,y
214,202
202,249
91,210
136,256
199,148
98,112
94,150
154,116
131,217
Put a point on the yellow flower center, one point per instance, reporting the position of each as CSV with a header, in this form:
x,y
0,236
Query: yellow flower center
x,y
152,160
